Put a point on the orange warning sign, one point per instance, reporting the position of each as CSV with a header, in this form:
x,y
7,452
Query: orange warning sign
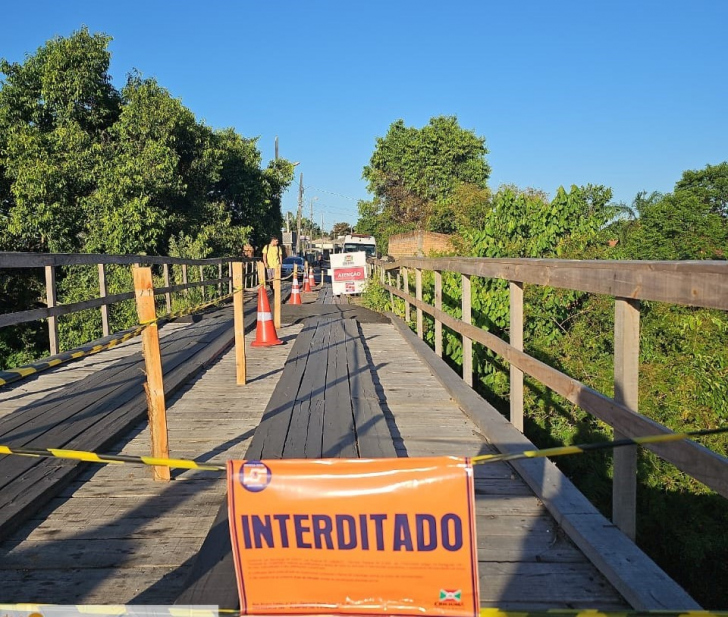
x,y
354,536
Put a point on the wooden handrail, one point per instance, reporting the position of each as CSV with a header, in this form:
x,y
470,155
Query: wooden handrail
x,y
50,261
39,260
694,283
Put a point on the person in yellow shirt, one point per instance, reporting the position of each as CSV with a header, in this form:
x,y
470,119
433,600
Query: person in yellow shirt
x,y
272,257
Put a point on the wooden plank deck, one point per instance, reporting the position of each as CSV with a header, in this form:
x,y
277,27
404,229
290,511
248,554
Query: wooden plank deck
x,y
116,536
525,561
324,406
102,397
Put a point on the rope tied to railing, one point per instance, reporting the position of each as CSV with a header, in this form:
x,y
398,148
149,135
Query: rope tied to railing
x,y
175,463
16,374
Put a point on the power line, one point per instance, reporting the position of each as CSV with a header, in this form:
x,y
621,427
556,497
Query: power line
x,y
309,187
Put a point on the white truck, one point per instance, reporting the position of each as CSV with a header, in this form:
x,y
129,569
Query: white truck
x,y
360,242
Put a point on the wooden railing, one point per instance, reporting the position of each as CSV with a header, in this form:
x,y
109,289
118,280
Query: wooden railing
x,y
50,262
703,284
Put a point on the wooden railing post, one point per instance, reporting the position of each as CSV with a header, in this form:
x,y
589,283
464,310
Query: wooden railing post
x,y
230,276
277,297
391,294
50,279
516,397
167,283
239,323
184,278
219,279
467,343
405,279
418,295
438,305
104,307
626,380
202,280
399,279
154,386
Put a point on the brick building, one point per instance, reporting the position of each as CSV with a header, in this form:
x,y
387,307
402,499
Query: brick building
x,y
418,244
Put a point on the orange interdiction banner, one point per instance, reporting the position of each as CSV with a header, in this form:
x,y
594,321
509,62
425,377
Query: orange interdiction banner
x,y
354,536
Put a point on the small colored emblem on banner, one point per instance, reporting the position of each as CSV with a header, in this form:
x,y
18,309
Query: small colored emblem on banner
x,y
447,595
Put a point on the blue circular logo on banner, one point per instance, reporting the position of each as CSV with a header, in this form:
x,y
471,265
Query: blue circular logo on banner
x,y
254,476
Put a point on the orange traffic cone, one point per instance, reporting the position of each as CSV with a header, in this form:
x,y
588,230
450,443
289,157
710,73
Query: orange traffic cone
x,y
307,283
295,292
311,279
265,331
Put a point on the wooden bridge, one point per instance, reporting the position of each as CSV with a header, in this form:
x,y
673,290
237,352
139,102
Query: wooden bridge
x,y
348,383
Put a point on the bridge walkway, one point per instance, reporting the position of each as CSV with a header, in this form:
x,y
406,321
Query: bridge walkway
x,y
112,535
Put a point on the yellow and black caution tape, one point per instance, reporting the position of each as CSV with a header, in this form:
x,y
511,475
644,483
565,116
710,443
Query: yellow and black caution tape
x,y
588,447
111,459
178,463
121,610
16,374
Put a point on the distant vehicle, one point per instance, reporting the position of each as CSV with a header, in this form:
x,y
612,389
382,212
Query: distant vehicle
x,y
360,242
289,262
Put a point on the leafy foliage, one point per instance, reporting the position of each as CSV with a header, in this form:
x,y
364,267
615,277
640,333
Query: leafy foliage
x,y
683,363
709,185
340,229
86,168
415,173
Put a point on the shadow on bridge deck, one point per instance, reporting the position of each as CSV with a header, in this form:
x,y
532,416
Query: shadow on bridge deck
x,y
113,535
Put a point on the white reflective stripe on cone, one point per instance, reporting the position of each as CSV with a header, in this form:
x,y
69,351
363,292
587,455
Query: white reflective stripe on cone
x,y
265,317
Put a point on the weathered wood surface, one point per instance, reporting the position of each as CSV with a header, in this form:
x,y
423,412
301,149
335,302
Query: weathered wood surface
x,y
154,531
299,313
91,412
516,535
114,535
639,580
689,456
694,283
39,260
325,405
47,383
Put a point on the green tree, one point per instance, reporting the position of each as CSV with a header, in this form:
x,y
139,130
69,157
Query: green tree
x,y
340,229
55,112
690,223
276,178
157,172
415,173
85,168
709,185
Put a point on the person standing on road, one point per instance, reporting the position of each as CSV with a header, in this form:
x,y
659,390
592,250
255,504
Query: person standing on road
x,y
272,257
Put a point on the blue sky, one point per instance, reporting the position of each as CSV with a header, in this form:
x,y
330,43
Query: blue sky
x,y
627,94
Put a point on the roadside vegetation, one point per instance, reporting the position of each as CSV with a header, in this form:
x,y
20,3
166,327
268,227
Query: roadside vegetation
x,y
684,351
88,168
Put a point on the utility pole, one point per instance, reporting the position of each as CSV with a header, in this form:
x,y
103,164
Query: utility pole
x,y
276,148
300,208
